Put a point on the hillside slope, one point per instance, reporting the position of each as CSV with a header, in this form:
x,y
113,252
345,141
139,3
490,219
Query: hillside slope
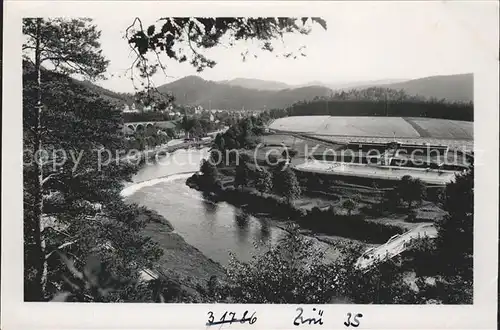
x,y
119,98
259,84
458,87
194,90
252,94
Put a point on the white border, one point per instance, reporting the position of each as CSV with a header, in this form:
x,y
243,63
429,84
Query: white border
x,y
19,315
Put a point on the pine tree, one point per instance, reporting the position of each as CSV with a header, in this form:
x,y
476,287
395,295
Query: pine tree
x,y
209,172
264,181
410,190
72,179
285,184
69,47
83,212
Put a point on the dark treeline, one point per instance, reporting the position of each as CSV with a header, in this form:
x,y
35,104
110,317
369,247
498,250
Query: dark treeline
x,y
455,111
379,102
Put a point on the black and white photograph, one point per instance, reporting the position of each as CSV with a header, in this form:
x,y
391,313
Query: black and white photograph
x,y
270,158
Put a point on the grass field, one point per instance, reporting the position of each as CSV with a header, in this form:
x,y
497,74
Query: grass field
x,y
377,127
299,123
443,128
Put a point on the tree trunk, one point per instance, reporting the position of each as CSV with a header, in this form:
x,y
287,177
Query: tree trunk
x,y
41,267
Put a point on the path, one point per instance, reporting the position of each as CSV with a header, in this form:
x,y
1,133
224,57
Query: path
x,y
395,245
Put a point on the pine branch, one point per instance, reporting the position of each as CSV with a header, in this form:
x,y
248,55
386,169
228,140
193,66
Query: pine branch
x,y
47,178
60,247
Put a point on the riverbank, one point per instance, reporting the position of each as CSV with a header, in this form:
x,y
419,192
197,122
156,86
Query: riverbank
x,y
321,221
180,262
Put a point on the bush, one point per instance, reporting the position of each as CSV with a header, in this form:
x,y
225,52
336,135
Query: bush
x,y
352,226
290,273
374,210
294,272
410,190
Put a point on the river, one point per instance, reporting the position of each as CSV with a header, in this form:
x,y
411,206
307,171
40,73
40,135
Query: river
x,y
215,229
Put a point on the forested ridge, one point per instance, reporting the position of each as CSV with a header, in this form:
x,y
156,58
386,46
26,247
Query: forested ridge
x,y
377,101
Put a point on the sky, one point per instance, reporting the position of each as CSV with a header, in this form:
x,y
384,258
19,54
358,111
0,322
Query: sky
x,y
364,41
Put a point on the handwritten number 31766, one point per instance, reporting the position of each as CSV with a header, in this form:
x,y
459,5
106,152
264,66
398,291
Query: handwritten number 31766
x,y
211,320
355,321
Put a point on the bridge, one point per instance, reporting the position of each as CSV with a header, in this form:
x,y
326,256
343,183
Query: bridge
x,y
142,125
394,246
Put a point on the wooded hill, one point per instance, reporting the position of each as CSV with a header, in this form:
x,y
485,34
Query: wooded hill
x,y
193,90
458,87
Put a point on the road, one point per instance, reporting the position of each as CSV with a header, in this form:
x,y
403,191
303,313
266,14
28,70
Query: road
x,y
175,142
395,245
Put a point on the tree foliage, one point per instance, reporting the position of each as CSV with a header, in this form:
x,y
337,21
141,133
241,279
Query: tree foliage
x,y
83,212
264,181
455,239
291,272
377,101
242,177
242,134
296,271
72,203
184,38
410,190
197,127
68,46
349,205
285,184
209,172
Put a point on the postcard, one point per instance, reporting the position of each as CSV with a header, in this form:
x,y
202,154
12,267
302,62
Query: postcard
x,y
250,164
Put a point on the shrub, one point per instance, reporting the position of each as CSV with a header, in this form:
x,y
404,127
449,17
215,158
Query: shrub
x,y
292,272
410,190
264,181
285,184
349,205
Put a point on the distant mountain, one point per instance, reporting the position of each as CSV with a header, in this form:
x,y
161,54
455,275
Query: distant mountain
x,y
364,84
278,85
458,87
194,90
267,85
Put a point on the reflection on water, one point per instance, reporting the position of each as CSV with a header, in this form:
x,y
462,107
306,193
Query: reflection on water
x,y
242,221
265,231
215,228
209,203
